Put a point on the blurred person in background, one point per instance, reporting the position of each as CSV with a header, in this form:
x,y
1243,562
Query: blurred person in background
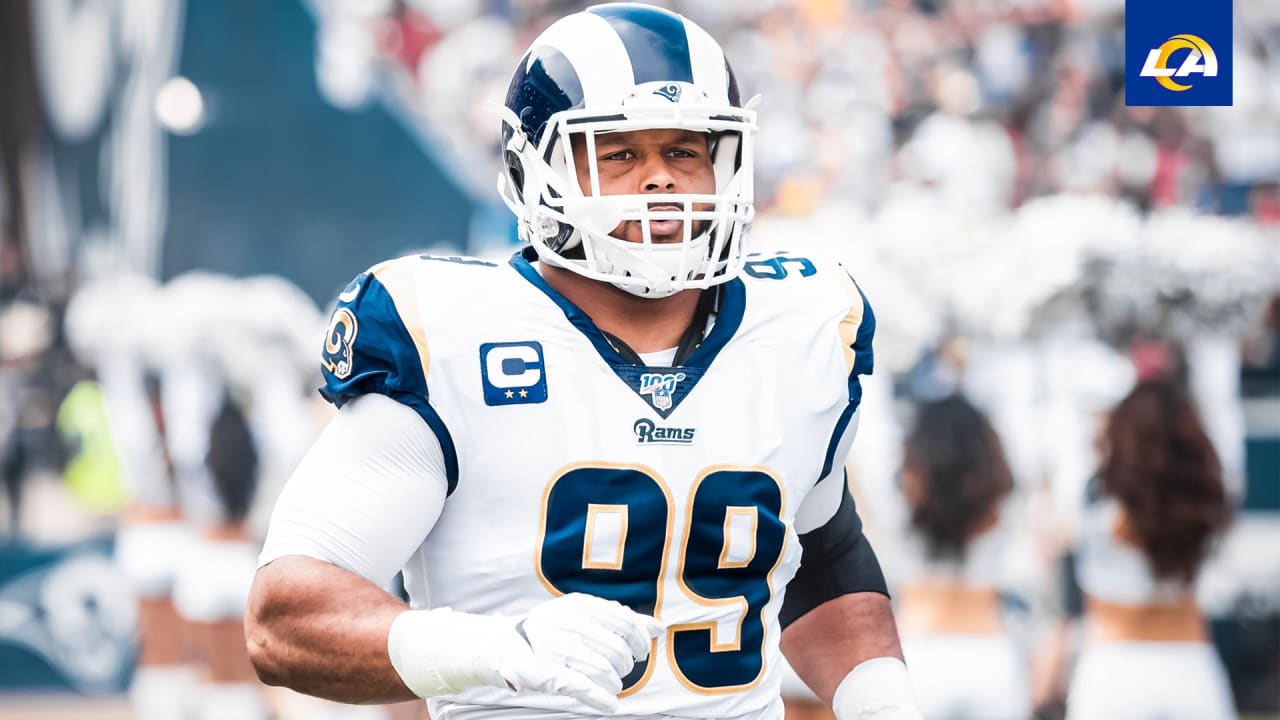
x,y
174,391
213,583
151,539
151,543
34,374
963,663
214,463
1157,503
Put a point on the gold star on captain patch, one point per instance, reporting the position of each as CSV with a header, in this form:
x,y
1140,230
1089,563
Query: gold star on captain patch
x,y
510,394
524,393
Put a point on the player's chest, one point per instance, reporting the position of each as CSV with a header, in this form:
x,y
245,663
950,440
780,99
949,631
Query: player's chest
x,y
552,391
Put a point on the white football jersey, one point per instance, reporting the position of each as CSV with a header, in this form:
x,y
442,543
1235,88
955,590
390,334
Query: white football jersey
x,y
672,490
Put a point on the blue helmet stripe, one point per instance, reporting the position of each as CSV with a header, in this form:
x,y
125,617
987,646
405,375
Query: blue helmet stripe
x,y
542,86
655,39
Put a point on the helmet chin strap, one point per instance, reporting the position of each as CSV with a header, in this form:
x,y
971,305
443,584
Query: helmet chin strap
x,y
656,271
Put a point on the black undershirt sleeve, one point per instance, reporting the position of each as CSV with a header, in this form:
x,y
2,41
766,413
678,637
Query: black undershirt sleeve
x,y
836,560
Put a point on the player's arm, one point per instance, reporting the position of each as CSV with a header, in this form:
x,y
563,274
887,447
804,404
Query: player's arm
x,y
838,628
355,509
321,630
360,504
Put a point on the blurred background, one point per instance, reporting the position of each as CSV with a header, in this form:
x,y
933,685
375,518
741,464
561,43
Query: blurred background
x,y
188,185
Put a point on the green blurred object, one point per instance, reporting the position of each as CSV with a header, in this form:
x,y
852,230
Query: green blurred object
x,y
93,475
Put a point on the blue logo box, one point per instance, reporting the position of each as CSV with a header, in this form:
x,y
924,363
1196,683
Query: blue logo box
x,y
1177,52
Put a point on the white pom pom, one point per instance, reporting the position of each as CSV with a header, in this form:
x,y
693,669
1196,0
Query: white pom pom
x,y
111,315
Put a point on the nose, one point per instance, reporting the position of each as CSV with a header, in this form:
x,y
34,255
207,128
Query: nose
x,y
656,176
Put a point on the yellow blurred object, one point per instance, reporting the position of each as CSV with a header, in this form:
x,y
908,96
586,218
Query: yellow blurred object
x,y
823,13
93,475
798,195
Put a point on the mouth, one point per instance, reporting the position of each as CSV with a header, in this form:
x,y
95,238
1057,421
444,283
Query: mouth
x,y
668,227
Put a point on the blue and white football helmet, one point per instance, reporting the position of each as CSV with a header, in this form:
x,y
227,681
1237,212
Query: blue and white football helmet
x,y
616,68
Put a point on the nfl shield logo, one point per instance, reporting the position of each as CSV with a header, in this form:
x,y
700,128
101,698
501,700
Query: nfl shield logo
x,y
660,387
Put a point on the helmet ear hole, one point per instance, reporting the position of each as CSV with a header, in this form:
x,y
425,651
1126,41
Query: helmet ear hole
x,y
561,240
560,243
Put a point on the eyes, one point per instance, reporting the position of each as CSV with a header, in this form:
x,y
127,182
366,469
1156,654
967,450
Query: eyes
x,y
623,160
676,153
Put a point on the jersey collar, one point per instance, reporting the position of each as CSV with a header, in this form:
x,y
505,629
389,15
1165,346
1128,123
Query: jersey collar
x,y
728,320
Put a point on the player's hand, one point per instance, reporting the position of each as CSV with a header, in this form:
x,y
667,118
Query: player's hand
x,y
576,645
596,638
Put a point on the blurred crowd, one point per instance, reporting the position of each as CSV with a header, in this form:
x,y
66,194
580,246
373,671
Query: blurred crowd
x,y
993,102
1038,254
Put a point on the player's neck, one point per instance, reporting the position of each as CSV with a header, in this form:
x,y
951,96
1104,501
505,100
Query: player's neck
x,y
645,324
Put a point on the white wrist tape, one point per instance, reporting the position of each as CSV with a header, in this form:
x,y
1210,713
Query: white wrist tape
x,y
877,689
442,652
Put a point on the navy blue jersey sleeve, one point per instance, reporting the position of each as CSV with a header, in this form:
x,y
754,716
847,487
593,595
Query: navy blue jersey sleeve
x,y
375,345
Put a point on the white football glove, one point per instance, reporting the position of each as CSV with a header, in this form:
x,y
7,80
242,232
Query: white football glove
x,y
576,645
877,689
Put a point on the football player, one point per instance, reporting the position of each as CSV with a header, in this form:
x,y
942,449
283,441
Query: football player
x,y
610,468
